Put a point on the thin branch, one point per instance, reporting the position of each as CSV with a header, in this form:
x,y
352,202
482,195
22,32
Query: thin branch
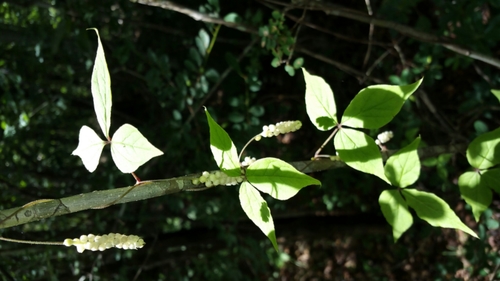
x,y
197,16
370,34
46,208
335,10
340,11
344,67
327,31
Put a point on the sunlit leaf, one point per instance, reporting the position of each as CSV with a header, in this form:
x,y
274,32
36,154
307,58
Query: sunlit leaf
x,y
484,151
491,178
223,149
202,41
101,89
496,93
475,192
403,168
130,149
278,178
89,148
320,103
434,210
374,106
396,212
359,152
257,211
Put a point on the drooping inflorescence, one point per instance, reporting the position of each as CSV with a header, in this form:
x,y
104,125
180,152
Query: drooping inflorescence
x,y
279,128
100,243
217,178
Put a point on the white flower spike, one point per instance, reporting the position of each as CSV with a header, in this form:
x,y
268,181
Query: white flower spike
x,y
217,178
279,128
96,242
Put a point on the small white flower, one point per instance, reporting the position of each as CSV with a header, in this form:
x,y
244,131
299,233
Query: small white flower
x,y
96,242
248,161
384,137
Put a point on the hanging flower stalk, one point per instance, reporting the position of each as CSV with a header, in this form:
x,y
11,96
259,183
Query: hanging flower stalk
x,y
113,240
92,242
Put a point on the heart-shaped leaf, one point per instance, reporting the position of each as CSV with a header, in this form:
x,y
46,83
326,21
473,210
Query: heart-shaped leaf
x,y
257,211
475,192
320,103
359,151
403,168
89,148
223,149
130,149
396,212
374,106
434,210
278,178
496,93
101,89
484,151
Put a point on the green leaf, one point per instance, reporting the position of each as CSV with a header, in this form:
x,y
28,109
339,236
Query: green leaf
x,y
89,148
130,149
434,210
290,70
475,192
375,106
320,103
359,152
403,168
496,93
202,41
101,89
298,62
277,15
491,179
232,17
233,62
484,151
196,57
396,212
257,211
277,178
223,149
276,62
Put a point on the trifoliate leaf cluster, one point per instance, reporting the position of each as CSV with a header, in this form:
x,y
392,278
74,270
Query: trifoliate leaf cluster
x,y
384,137
96,242
279,128
217,178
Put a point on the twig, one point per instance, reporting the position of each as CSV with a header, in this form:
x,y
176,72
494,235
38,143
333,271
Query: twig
x,y
370,34
197,16
354,72
219,82
42,209
446,42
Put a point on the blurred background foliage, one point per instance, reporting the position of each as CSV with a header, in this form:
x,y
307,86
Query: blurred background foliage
x,y
165,66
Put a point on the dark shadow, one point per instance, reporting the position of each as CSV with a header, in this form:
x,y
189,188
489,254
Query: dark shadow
x,y
324,122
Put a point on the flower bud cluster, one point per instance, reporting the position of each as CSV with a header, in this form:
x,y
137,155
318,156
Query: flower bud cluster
x,y
384,137
96,242
217,178
248,161
279,128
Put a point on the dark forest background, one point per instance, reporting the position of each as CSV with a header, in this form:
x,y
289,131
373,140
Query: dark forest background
x,y
162,74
